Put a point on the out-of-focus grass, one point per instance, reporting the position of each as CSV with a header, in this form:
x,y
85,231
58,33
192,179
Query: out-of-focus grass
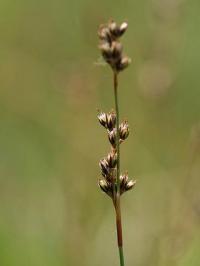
x,y
51,210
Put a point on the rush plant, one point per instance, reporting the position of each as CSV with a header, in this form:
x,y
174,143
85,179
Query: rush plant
x,y
112,182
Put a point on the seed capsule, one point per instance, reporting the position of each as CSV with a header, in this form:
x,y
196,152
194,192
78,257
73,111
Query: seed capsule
x,y
107,120
103,119
111,120
105,171
123,27
130,185
106,187
125,184
117,31
113,27
116,51
104,33
123,180
112,136
123,130
112,159
106,51
123,63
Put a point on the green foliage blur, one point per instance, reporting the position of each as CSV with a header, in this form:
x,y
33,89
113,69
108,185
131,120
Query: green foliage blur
x,y
52,81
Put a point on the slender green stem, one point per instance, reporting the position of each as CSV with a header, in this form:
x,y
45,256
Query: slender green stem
x,y
117,127
117,193
121,256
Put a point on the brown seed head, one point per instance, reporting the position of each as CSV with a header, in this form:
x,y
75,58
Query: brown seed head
x,y
111,120
102,119
123,63
107,120
116,51
125,184
106,51
130,184
110,46
105,171
106,187
123,27
123,130
117,30
112,136
112,159
104,33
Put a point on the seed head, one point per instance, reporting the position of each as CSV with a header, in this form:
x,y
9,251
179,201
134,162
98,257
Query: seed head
x,y
111,120
130,185
123,130
123,63
112,159
123,179
110,46
112,54
116,50
105,171
117,30
106,51
106,187
123,27
104,33
107,120
125,184
112,136
102,119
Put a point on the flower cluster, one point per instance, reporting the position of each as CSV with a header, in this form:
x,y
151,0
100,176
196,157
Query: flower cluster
x,y
110,46
108,165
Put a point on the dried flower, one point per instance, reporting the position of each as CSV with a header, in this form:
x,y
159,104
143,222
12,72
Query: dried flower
x,y
104,33
111,120
112,136
107,120
123,63
112,159
125,184
105,171
103,119
106,187
110,46
107,166
130,185
123,27
123,130
117,30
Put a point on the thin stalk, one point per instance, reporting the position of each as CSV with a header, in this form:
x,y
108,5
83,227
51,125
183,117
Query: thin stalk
x,y
117,193
117,127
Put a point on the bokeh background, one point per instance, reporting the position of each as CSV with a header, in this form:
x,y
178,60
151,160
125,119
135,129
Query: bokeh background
x,y
52,81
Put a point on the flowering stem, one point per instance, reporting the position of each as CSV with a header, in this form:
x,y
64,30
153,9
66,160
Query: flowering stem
x,y
117,193
117,127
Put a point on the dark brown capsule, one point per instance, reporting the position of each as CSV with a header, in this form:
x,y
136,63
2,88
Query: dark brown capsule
x,y
105,171
106,187
112,159
123,63
130,184
123,130
112,136
102,119
111,120
116,30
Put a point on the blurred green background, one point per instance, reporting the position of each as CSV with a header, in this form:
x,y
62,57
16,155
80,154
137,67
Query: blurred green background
x,y
51,84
